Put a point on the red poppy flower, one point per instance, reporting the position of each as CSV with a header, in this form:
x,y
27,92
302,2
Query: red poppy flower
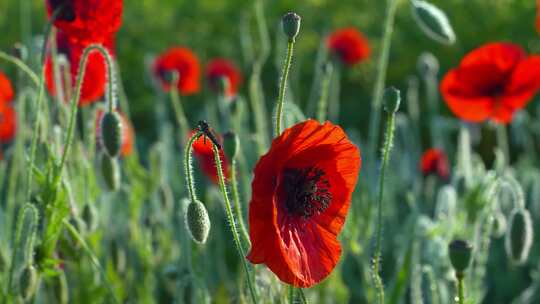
x,y
218,68
95,79
492,82
301,194
87,21
349,45
204,153
185,63
128,134
434,161
8,122
6,90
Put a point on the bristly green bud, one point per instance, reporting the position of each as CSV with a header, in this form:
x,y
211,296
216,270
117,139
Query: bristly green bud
x,y
230,145
197,221
519,236
433,22
90,217
28,282
460,253
392,99
291,25
110,171
111,133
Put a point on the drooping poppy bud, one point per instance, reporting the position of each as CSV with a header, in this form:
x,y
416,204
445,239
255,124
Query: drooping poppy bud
x,y
28,282
111,133
460,253
392,99
433,22
230,145
197,221
519,236
110,171
291,25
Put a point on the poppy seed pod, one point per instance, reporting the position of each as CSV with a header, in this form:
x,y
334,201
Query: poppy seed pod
x,y
433,22
460,253
197,221
230,145
392,99
110,172
90,217
28,282
111,133
291,25
519,236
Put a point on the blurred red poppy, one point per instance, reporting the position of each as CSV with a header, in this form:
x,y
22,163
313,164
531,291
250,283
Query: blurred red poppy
x,y
8,122
95,79
87,21
204,153
349,45
6,89
434,161
301,195
182,61
492,82
128,134
218,68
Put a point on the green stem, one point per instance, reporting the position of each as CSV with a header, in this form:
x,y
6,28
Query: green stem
x,y
177,106
188,169
22,67
381,78
237,203
461,292
92,257
232,223
282,86
502,142
387,148
322,107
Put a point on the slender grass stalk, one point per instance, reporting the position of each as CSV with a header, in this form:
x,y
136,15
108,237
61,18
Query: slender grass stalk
x,y
237,202
282,86
387,148
322,105
381,77
232,224
22,67
177,106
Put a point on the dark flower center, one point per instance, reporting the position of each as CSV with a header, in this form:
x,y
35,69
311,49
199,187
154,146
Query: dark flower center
x,y
495,90
306,191
67,13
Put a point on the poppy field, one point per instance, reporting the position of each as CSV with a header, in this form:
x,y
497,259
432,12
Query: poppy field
x,y
270,151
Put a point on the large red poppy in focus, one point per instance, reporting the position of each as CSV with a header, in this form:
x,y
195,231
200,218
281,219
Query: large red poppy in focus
x,y
349,45
6,89
87,21
182,61
204,153
492,82
8,122
94,81
128,134
218,68
301,194
434,161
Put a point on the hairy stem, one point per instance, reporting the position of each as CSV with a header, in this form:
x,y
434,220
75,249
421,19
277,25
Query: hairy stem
x,y
283,86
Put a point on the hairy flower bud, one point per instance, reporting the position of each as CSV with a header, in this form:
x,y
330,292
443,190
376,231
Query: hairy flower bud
x,y
519,236
111,133
28,282
460,253
392,99
110,171
433,22
197,221
291,25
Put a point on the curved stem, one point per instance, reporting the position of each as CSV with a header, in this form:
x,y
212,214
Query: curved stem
x,y
236,199
188,169
387,148
232,224
22,66
282,87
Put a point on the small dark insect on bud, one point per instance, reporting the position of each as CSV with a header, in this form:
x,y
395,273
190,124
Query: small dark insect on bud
x,y
90,217
110,171
197,221
111,133
460,253
392,99
230,145
28,282
207,132
291,25
519,236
